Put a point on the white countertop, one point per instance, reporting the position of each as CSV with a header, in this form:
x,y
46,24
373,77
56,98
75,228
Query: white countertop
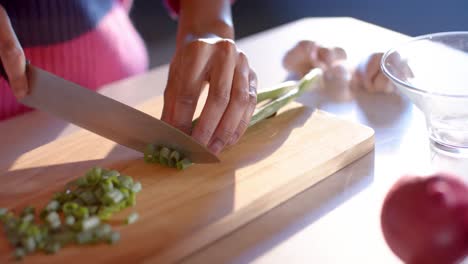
x,y
337,221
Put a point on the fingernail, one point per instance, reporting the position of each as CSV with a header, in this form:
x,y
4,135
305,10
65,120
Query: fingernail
x,y
216,146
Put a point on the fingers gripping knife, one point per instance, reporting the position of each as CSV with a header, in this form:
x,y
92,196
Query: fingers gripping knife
x,y
106,117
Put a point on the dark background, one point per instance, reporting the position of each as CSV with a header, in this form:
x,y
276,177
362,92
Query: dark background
x,y
411,17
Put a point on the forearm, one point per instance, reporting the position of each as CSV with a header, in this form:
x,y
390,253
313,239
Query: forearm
x,y
202,18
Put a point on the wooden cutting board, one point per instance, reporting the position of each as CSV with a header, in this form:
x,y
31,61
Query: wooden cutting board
x,y
180,212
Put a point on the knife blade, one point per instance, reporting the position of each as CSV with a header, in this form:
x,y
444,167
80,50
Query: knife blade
x,y
107,117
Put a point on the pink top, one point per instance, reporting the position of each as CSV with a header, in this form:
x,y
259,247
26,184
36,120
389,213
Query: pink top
x,y
108,51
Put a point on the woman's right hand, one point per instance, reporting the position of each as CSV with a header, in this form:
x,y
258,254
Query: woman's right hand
x,y
12,56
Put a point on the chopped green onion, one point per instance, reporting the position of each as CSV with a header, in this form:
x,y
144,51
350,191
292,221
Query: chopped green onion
x,y
80,208
107,185
29,244
125,181
81,182
28,218
164,156
69,207
132,218
81,213
174,157
53,206
184,164
90,223
114,196
149,152
109,174
136,188
70,220
88,197
53,219
131,201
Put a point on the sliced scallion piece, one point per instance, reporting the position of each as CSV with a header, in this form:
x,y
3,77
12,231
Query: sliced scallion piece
x,y
132,218
184,164
164,156
53,206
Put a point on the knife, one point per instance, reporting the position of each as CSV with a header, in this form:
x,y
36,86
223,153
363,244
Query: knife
x,y
106,117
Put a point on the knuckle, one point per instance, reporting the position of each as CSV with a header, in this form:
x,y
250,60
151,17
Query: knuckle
x,y
242,58
226,47
253,97
186,99
197,45
241,96
222,96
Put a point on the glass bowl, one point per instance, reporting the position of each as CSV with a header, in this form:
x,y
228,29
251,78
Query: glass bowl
x,y
432,71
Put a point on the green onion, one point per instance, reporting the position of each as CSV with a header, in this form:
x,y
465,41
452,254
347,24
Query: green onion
x,y
90,223
184,164
136,188
53,206
279,96
88,197
174,157
111,173
53,219
81,182
149,153
70,220
125,181
132,218
81,213
69,207
276,91
81,207
164,156
113,197
131,201
275,105
28,218
107,185
29,244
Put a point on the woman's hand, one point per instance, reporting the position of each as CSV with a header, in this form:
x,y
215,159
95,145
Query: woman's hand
x,y
12,56
206,53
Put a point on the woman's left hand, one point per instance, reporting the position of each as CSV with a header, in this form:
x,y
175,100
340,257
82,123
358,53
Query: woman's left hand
x,y
231,97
